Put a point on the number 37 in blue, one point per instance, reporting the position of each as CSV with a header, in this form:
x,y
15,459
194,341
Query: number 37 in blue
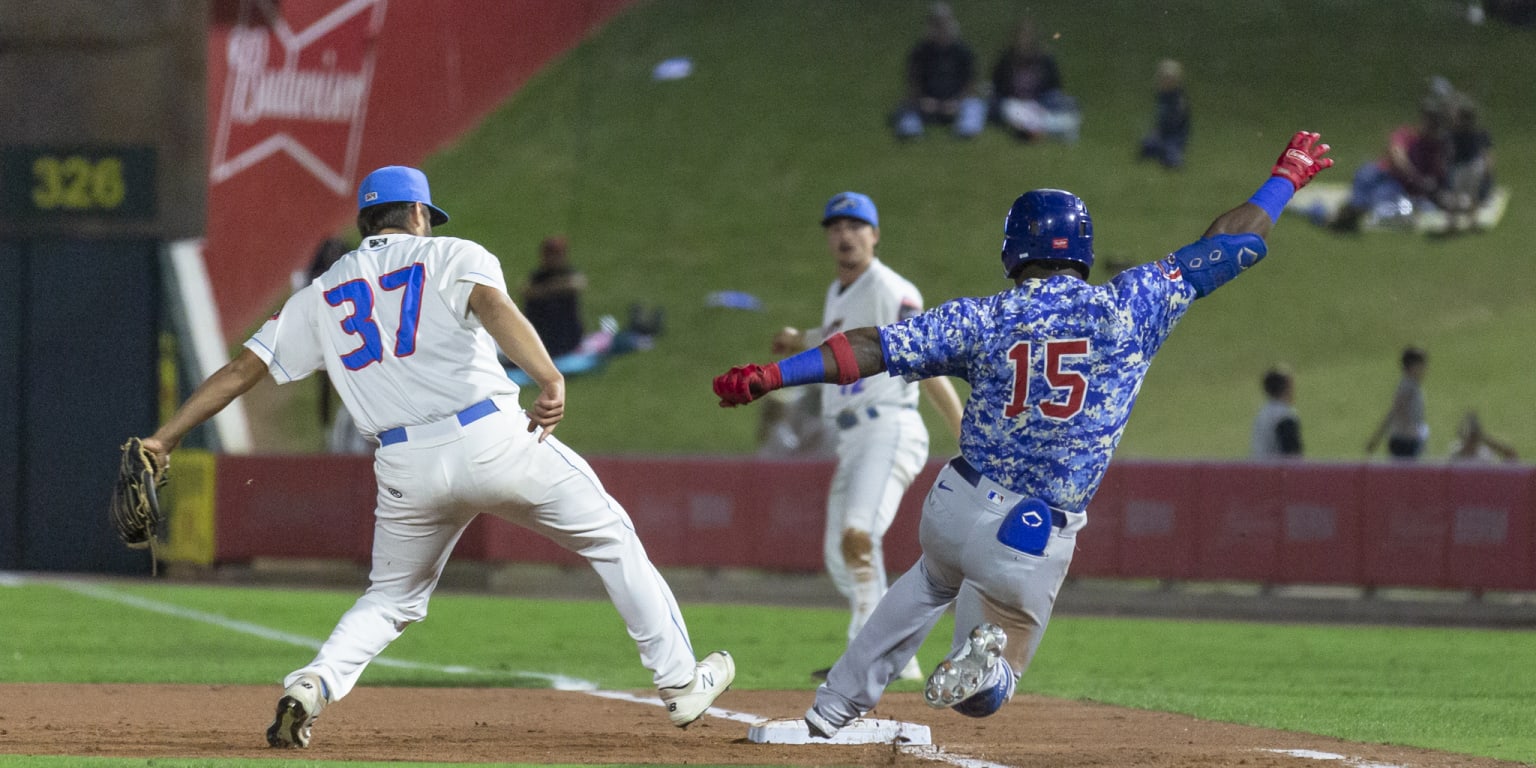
x,y
359,294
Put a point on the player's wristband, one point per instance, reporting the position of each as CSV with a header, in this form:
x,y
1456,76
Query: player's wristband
x,y
842,355
804,368
1273,196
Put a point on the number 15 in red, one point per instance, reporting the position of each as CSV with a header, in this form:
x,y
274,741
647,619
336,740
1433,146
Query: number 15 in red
x,y
1067,388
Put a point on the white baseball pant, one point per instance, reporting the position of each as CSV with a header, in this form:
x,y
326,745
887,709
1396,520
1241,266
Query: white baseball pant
x,y
964,563
878,457
429,489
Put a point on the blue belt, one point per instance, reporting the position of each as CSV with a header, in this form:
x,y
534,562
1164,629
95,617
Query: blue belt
x,y
466,417
848,418
970,475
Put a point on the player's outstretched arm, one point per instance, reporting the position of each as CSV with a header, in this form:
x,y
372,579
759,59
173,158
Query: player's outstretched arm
x,y
213,395
1235,240
1302,159
842,359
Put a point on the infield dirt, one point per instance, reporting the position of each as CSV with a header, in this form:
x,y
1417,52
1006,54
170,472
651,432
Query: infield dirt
x,y
500,725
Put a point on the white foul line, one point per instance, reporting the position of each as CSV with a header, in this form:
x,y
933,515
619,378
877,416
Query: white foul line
x,y
558,682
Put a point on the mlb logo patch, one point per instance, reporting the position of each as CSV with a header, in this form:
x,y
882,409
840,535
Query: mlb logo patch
x,y
994,496
370,197
1058,243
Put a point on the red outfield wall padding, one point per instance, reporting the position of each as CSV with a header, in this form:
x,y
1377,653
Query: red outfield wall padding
x,y
1156,504
293,506
1240,523
1492,533
1407,520
1433,525
1321,527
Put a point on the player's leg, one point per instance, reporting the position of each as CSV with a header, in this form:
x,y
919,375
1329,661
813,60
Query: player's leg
x,y
1013,592
887,454
569,506
412,538
903,618
891,637
550,489
838,495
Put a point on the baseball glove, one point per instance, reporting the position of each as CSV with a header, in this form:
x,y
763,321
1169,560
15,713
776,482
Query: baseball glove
x,y
135,497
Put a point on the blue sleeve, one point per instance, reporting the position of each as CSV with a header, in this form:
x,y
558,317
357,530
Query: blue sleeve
x,y
1156,295
932,343
1210,262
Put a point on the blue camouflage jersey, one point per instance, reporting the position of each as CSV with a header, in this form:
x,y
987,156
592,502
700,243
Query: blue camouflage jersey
x,y
1054,367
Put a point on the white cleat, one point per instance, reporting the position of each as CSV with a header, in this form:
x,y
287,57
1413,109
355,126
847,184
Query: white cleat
x,y
912,671
967,670
712,677
296,713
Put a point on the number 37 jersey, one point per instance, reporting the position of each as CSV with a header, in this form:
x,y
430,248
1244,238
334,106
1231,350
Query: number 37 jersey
x,y
1054,367
391,325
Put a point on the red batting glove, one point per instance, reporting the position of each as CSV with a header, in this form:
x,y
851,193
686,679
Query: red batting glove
x,y
745,383
1302,159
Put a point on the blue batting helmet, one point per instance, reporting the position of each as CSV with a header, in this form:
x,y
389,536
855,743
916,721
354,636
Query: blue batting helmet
x,y
1047,225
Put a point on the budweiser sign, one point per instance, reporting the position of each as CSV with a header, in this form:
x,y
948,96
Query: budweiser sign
x,y
297,92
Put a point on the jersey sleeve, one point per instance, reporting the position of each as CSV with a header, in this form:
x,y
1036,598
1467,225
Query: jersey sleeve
x,y
288,342
467,265
932,343
1157,295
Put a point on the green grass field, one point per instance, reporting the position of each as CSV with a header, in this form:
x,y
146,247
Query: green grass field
x,y
1459,690
671,190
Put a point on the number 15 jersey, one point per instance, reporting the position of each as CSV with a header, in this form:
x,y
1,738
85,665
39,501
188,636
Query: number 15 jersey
x,y
390,323
1054,367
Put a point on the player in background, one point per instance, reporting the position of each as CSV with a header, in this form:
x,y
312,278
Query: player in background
x,y
880,438
407,327
1054,365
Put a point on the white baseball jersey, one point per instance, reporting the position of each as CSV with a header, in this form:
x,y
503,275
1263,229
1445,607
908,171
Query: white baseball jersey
x,y
362,320
878,297
391,324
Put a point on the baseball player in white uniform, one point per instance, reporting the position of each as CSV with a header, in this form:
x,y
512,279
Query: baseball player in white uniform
x,y
880,438
407,327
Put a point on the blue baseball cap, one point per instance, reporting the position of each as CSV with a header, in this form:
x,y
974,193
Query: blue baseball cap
x,y
851,205
398,184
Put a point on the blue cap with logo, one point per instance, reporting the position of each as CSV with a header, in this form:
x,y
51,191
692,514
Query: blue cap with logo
x,y
398,184
851,205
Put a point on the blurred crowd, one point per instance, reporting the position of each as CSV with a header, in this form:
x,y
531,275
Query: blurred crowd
x,y
1441,162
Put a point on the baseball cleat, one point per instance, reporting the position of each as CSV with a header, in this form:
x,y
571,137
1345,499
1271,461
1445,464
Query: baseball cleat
x,y
712,677
296,713
818,726
912,671
821,674
968,669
